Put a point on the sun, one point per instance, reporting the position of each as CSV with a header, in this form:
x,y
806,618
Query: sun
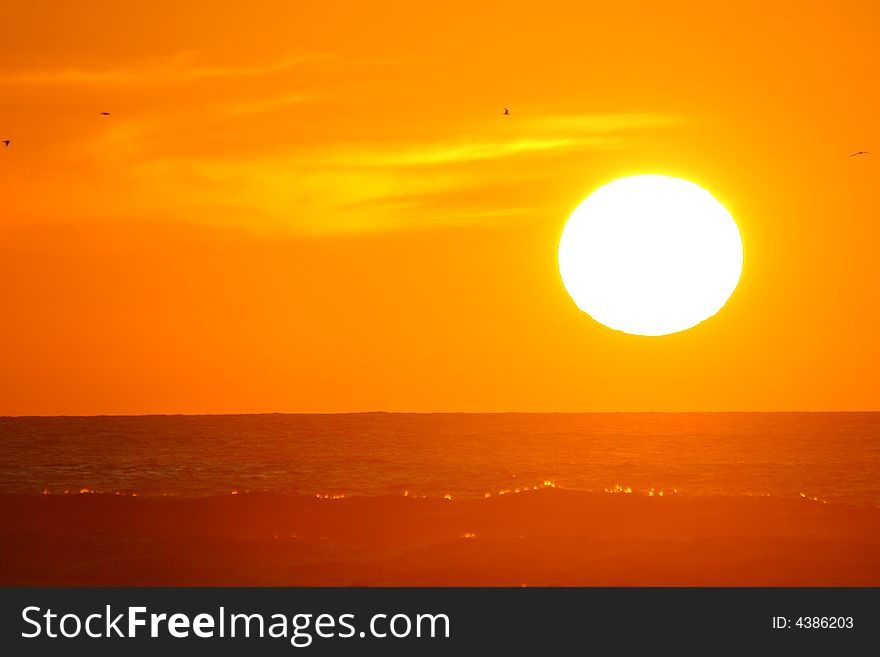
x,y
650,255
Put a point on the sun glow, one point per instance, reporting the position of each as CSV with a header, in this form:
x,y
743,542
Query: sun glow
x,y
650,255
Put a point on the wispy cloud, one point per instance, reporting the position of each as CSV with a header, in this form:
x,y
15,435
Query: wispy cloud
x,y
331,187
535,136
323,152
180,67
328,187
439,154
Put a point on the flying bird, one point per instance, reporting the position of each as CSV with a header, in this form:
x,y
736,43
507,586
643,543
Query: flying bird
x,y
105,113
6,142
860,153
506,112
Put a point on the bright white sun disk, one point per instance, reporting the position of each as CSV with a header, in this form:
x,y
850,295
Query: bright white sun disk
x,y
650,255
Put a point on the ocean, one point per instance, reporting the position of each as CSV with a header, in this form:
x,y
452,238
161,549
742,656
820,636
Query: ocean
x,y
833,457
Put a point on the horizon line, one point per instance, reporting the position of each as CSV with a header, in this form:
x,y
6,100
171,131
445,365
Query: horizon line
x,y
340,413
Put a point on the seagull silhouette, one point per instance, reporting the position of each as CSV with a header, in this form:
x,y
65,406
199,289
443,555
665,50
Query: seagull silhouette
x,y
506,112
860,153
105,113
6,142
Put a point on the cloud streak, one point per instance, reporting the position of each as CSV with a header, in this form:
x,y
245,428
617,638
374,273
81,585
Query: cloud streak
x,y
171,69
318,151
333,187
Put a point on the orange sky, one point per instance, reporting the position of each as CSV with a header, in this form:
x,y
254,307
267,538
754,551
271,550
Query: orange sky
x,y
320,208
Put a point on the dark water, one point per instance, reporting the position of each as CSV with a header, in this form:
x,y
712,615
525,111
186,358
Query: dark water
x,y
832,456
